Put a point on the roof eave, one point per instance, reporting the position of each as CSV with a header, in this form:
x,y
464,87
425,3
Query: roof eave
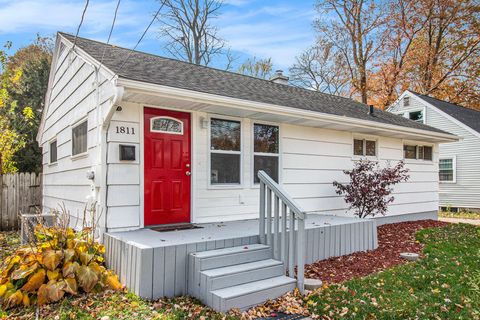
x,y
197,96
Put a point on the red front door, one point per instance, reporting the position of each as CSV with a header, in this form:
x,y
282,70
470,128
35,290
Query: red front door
x,y
167,166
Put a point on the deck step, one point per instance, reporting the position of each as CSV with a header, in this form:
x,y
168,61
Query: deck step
x,y
224,277
250,294
231,256
237,277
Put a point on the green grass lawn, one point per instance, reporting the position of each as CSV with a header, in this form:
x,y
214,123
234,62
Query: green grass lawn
x,y
440,286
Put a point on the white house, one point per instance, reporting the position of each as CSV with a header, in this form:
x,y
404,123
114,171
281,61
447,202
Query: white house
x,y
459,162
158,142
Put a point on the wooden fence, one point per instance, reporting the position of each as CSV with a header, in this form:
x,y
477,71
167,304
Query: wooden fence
x,y
19,193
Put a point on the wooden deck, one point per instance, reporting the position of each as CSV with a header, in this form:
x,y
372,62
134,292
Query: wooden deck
x,y
155,264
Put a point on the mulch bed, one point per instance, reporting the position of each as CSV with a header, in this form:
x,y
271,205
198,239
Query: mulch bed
x,y
392,240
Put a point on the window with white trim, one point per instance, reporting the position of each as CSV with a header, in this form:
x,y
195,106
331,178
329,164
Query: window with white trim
x,y
416,116
411,151
406,101
364,147
446,169
53,151
265,150
225,152
79,138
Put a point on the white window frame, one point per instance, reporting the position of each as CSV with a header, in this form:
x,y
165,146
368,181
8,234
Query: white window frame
x,y
163,131
454,168
364,156
409,102
72,127
253,153
417,145
406,113
50,151
210,151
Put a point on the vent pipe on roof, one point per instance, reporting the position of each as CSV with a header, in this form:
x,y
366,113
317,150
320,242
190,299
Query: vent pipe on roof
x,y
279,77
371,108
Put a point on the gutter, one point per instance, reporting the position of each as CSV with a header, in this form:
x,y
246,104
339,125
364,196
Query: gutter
x,y
194,96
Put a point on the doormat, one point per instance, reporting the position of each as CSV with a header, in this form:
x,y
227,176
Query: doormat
x,y
283,316
186,226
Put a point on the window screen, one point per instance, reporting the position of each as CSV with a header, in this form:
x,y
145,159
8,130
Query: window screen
x,y
53,151
446,170
266,149
225,151
79,138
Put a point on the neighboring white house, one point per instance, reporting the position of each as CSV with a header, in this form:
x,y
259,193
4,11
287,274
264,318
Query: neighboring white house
x,y
157,141
459,162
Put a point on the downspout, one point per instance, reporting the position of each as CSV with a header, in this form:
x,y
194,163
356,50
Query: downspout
x,y
115,99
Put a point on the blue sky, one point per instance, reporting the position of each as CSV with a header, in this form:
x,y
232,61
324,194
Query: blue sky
x,y
279,29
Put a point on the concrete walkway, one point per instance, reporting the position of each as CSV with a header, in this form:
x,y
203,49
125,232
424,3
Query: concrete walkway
x,y
459,220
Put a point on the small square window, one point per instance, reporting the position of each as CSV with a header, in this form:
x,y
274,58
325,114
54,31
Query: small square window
x,y
406,101
363,147
370,148
427,153
410,152
416,116
53,151
358,147
79,138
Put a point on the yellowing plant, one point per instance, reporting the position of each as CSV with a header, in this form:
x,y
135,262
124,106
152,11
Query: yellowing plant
x,y
59,262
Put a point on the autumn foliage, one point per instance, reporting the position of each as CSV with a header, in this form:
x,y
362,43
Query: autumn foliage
x,y
60,261
370,187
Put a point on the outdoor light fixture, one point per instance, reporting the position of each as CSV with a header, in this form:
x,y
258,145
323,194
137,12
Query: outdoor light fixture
x,y
204,123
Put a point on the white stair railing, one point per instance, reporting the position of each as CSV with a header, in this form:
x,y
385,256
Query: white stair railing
x,y
290,213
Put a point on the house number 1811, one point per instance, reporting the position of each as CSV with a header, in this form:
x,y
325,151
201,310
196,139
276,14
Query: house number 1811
x,y
125,130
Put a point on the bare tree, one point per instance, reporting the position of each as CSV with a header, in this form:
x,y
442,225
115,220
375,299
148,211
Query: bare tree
x,y
187,26
258,68
320,68
355,28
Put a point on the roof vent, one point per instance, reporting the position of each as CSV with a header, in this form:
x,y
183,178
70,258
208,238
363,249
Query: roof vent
x,y
279,77
371,108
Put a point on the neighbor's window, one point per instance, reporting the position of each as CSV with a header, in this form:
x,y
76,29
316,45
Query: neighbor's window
x,y
417,152
416,116
406,101
446,170
53,151
364,147
265,150
225,151
79,138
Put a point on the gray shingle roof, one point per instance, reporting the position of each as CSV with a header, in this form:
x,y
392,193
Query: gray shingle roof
x,y
469,117
173,73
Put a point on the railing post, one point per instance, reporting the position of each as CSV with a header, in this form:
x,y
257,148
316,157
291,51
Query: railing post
x,y
284,237
291,246
276,228
300,254
269,216
262,213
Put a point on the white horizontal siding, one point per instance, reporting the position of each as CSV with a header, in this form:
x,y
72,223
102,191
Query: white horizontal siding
x,y
465,192
72,98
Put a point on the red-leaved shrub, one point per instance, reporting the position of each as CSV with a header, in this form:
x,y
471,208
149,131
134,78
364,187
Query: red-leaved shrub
x,y
370,187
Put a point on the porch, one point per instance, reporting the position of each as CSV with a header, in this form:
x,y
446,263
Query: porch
x,y
155,264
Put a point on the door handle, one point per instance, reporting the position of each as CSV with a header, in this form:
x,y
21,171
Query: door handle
x,y
188,173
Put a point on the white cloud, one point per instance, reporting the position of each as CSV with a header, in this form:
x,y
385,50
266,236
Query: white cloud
x,y
280,32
